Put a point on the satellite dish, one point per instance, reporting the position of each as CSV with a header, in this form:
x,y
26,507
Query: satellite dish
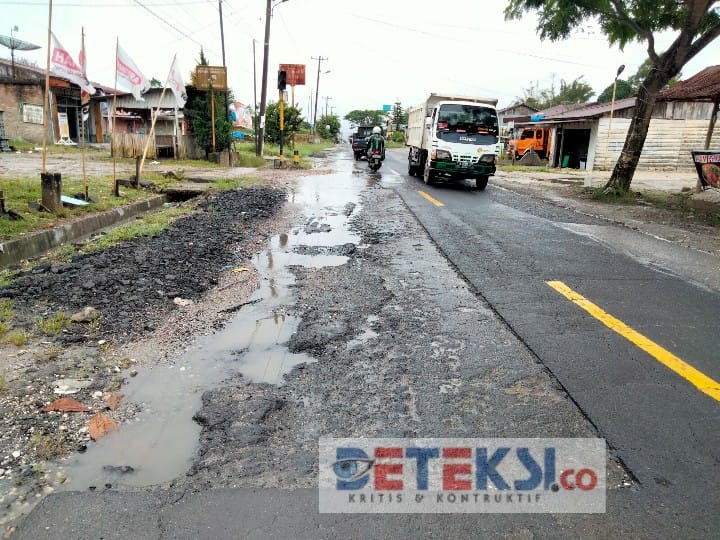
x,y
14,44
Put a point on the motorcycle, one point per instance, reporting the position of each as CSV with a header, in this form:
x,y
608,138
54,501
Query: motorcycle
x,y
374,160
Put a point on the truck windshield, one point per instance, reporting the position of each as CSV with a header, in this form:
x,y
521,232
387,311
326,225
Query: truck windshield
x,y
468,124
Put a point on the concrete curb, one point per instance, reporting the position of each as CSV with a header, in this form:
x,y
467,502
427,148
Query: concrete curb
x,y
35,244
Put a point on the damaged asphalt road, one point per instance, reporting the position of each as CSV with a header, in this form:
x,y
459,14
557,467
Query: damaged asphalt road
x,y
396,344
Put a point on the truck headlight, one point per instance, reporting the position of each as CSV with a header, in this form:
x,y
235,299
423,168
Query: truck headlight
x,y
487,158
443,155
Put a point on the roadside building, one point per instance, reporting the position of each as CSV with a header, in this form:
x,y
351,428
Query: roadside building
x,y
592,135
22,102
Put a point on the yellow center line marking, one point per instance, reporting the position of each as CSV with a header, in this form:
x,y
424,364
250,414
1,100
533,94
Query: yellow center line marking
x,y
431,199
698,379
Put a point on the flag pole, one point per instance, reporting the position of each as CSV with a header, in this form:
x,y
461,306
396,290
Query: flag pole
x,y
116,191
47,89
154,119
82,119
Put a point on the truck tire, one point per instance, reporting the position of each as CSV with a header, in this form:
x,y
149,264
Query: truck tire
x,y
412,170
428,175
481,182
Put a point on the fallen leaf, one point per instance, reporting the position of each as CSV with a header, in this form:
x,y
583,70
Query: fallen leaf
x,y
113,401
100,425
65,404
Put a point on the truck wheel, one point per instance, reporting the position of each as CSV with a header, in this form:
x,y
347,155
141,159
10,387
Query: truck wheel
x,y
481,182
412,170
428,176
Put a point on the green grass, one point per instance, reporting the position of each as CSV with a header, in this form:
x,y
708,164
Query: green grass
x,y
7,314
15,337
19,192
507,166
52,326
3,382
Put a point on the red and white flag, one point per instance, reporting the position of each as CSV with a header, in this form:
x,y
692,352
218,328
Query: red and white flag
x,y
129,74
63,65
176,84
84,96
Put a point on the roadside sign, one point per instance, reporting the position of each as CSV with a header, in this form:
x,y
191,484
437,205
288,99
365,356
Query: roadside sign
x,y
295,74
707,164
387,108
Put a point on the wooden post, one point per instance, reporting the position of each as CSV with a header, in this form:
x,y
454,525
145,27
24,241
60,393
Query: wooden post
x,y
138,160
51,188
2,202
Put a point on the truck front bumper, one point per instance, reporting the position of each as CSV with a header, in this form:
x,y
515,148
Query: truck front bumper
x,y
458,170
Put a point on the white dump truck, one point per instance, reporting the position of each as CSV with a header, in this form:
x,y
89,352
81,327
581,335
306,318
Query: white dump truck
x,y
453,138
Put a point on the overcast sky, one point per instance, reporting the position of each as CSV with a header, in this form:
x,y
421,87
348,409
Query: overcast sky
x,y
377,52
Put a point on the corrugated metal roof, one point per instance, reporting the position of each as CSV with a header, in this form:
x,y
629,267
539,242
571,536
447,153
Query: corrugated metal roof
x,y
704,86
593,110
151,100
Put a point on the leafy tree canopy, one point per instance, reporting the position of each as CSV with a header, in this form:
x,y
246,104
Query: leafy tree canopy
x,y
576,91
623,90
198,112
155,83
291,122
695,23
366,118
328,126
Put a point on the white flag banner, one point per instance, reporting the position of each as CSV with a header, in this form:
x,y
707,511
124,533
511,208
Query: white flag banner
x,y
63,65
129,74
176,84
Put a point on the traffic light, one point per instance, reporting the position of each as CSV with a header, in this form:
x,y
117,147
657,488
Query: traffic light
x,y
282,80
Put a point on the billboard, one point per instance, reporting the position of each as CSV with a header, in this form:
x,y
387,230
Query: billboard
x,y
240,115
295,73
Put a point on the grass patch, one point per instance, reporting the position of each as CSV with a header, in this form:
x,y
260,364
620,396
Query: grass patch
x,y
509,167
52,326
149,225
16,337
7,314
49,446
614,197
3,382
21,191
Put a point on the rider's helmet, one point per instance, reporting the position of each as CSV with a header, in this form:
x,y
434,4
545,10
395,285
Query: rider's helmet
x,y
377,130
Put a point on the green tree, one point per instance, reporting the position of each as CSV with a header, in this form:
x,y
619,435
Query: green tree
x,y
366,118
328,126
696,23
577,91
199,114
399,116
624,90
291,122
155,83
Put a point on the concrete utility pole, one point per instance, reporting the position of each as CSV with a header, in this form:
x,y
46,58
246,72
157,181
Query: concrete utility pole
x,y
263,92
317,91
327,98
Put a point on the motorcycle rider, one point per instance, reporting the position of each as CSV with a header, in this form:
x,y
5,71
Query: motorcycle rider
x,y
376,142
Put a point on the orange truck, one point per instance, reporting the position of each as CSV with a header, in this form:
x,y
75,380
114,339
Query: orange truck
x,y
535,138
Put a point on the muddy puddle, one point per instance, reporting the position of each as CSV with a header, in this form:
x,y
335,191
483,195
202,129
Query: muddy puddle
x,y
158,444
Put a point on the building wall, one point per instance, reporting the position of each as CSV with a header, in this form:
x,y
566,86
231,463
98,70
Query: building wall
x,y
667,147
11,97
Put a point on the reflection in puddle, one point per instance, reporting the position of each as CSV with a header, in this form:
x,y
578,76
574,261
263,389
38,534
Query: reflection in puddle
x,y
158,444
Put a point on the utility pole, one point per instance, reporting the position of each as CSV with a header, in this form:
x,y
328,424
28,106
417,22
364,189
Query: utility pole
x,y
263,92
317,90
327,98
256,124
227,92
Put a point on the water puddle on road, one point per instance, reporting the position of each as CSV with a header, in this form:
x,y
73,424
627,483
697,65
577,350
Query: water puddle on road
x,y
159,443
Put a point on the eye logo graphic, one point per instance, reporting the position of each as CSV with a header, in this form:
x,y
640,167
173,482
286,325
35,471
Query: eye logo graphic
x,y
352,468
